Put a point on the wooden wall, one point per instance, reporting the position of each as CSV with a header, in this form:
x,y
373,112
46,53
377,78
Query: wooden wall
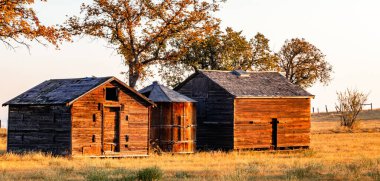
x,y
173,126
253,128
39,128
133,125
214,112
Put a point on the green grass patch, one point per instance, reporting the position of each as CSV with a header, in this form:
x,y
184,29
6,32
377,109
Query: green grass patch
x,y
150,174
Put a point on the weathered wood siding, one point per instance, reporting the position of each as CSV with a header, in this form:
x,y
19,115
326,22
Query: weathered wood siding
x,y
214,112
173,126
253,117
39,128
133,125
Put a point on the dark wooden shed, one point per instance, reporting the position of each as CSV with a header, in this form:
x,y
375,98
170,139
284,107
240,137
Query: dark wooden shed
x,y
248,110
173,120
86,116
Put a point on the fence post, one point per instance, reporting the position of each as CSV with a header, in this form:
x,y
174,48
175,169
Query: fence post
x,y
326,109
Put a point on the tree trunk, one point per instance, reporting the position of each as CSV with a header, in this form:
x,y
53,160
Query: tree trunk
x,y
133,75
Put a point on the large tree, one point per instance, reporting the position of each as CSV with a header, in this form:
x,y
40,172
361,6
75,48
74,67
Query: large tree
x,y
18,22
262,59
203,54
146,32
303,63
218,50
236,50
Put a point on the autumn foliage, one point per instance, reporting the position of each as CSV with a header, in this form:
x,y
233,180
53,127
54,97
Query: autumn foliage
x,y
303,63
18,22
146,32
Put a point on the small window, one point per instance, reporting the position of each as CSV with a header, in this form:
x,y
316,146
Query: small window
x,y
111,94
93,138
126,138
94,118
126,117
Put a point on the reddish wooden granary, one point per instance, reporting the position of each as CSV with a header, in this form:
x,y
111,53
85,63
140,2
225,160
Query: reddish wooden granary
x,y
86,116
173,120
248,110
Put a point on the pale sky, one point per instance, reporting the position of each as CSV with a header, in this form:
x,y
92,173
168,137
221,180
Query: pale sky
x,y
346,31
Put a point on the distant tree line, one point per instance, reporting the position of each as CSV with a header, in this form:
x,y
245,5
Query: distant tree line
x,y
177,35
302,63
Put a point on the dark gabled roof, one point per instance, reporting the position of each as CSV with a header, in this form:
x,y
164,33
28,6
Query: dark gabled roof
x,y
253,84
160,93
64,91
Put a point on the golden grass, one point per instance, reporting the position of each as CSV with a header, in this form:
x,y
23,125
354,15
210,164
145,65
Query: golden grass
x,y
337,156
3,139
332,156
368,121
319,127
333,116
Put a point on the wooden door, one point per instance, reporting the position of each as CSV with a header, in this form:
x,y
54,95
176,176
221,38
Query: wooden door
x,y
111,130
274,132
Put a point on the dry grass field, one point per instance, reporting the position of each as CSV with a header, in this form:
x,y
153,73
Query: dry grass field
x,y
369,121
335,154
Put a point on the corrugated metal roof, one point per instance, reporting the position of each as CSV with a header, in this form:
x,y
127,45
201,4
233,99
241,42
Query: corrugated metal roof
x,y
61,91
254,84
160,93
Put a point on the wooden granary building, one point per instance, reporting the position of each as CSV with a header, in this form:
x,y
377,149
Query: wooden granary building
x,y
86,116
248,110
172,120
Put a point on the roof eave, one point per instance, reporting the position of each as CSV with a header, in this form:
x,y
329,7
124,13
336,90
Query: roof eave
x,y
275,97
221,86
32,104
110,80
133,90
194,101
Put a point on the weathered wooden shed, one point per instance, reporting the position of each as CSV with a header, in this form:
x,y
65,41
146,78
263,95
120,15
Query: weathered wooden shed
x,y
85,116
173,120
248,110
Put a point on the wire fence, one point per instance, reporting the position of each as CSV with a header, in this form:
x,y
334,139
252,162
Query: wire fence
x,y
325,109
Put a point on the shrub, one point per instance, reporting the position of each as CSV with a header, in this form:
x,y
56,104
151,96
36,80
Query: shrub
x,y
349,106
150,174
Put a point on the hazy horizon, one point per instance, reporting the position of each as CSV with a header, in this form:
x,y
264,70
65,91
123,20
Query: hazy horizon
x,y
345,31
